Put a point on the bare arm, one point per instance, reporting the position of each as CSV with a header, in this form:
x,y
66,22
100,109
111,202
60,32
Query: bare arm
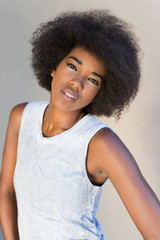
x,y
8,206
138,198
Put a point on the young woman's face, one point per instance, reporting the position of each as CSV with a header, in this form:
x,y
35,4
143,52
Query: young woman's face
x,y
77,80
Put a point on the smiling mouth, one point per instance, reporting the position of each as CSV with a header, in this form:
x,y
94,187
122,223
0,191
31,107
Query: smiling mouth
x,y
69,94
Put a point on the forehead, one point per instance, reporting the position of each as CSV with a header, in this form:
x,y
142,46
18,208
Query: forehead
x,y
82,52
87,58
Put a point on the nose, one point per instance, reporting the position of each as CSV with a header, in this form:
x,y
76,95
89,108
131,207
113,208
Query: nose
x,y
77,83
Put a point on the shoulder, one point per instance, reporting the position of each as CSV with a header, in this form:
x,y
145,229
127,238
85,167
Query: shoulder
x,y
16,112
18,109
15,116
110,153
107,138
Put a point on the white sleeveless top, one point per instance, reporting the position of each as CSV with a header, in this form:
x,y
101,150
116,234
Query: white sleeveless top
x,y
55,198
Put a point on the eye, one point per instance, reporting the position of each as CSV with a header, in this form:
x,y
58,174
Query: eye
x,y
93,81
72,66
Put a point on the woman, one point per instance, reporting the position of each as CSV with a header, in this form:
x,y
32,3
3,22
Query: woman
x,y
57,156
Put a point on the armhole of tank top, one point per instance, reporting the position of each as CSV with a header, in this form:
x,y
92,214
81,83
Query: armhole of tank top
x,y
23,116
84,163
19,135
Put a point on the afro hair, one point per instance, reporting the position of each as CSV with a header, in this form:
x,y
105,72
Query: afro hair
x,y
107,37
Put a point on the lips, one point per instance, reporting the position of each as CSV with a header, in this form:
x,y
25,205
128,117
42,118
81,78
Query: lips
x,y
70,93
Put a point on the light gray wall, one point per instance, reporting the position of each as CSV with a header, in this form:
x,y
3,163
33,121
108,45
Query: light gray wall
x,y
139,128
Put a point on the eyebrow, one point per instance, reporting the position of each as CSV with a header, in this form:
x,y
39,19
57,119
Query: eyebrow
x,y
79,62
96,74
74,58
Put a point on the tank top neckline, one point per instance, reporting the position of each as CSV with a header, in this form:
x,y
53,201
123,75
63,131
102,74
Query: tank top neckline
x,y
77,124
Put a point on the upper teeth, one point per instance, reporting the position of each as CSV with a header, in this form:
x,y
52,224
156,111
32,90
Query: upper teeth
x,y
69,95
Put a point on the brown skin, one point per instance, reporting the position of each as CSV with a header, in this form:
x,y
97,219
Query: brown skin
x,y
107,155
62,114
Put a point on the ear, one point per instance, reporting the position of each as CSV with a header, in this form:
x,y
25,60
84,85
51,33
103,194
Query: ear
x,y
53,73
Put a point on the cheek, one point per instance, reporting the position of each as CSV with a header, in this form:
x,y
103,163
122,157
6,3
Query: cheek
x,y
89,95
91,90
53,84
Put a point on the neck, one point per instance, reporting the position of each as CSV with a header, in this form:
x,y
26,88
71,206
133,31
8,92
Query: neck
x,y
56,121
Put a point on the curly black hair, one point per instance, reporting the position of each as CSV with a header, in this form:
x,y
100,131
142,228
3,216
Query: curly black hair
x,y
107,37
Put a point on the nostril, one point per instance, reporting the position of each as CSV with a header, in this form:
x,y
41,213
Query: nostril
x,y
77,88
76,84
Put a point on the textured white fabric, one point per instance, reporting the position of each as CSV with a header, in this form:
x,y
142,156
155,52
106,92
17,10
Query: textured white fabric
x,y
55,197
